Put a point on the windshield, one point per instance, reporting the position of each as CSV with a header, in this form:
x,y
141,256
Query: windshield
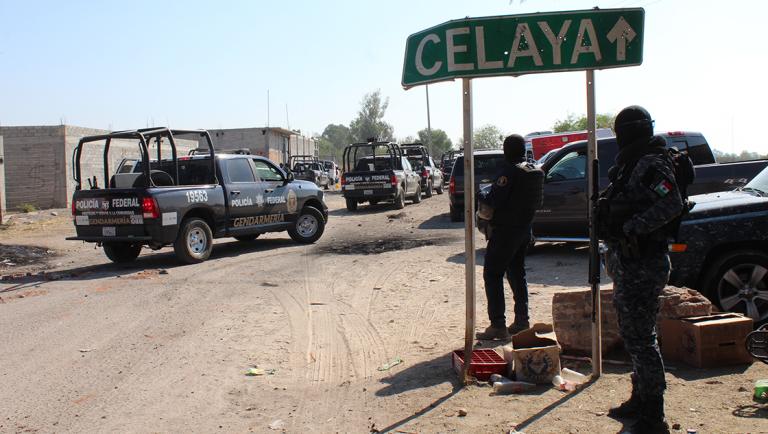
x,y
759,182
486,166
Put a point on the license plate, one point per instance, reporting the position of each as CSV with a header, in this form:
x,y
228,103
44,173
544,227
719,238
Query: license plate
x,y
482,186
367,192
108,231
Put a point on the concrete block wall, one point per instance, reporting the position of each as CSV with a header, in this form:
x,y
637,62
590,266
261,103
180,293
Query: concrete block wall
x,y
2,182
33,165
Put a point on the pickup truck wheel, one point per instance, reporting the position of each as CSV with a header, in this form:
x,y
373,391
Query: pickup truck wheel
x,y
351,205
246,238
400,199
308,227
417,196
194,242
439,188
428,193
738,282
121,253
456,215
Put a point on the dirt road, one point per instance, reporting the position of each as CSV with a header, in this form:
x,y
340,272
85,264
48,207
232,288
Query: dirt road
x,y
159,347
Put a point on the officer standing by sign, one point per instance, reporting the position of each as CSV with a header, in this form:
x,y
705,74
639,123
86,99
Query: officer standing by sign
x,y
514,197
635,213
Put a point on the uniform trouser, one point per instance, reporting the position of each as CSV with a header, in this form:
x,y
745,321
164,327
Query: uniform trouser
x,y
506,254
637,284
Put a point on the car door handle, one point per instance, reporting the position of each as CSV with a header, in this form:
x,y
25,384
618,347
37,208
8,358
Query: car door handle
x,y
234,192
269,190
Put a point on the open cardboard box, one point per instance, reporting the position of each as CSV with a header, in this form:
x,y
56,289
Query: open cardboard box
x,y
706,341
534,355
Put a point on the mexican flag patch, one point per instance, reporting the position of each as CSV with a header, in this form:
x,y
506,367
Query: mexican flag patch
x,y
663,188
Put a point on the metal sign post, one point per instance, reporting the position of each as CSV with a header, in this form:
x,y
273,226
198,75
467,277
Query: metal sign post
x,y
594,243
514,45
469,228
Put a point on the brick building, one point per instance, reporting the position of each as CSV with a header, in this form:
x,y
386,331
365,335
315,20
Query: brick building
x,y
38,162
275,143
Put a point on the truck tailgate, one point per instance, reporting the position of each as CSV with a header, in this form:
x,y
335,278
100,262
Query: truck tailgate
x,y
368,184
105,215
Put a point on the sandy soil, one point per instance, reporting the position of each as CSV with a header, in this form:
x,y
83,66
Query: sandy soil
x,y
159,347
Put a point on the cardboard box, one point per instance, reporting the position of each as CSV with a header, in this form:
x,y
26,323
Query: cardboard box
x,y
706,341
534,355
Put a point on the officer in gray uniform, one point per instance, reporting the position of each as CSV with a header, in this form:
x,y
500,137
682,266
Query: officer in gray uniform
x,y
514,197
642,202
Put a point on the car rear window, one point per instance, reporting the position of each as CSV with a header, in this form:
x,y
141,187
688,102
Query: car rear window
x,y
485,165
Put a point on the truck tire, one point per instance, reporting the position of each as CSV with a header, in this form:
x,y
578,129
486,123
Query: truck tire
x,y
428,193
400,199
121,253
247,238
417,196
194,242
456,215
309,226
351,205
738,282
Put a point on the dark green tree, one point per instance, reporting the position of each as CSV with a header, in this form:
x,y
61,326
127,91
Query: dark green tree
x,y
370,119
488,137
439,144
579,123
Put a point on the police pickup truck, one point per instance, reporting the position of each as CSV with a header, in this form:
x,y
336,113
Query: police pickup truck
x,y
378,171
188,201
563,216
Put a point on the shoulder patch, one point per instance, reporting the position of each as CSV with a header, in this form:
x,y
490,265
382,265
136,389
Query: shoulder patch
x,y
662,188
502,181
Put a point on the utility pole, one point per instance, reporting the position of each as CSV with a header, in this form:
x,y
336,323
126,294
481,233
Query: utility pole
x,y
429,123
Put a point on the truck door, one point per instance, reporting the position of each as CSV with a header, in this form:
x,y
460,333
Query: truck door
x,y
564,211
244,195
280,200
412,180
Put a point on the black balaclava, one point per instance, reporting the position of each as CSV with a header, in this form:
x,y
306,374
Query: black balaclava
x,y
632,124
514,148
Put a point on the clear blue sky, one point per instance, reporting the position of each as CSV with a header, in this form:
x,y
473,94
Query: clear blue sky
x,y
193,64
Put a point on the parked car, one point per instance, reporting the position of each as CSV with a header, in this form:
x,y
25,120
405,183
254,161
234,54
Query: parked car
x,y
188,201
378,171
563,216
722,249
422,163
546,157
331,169
309,168
487,165
446,163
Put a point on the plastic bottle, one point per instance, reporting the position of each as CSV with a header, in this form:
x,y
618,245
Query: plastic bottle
x,y
512,387
761,390
561,384
573,376
497,378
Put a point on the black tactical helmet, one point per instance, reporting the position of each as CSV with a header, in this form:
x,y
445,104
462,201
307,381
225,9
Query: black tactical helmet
x,y
514,148
631,124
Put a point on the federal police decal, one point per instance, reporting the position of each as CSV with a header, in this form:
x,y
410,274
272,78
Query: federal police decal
x,y
246,201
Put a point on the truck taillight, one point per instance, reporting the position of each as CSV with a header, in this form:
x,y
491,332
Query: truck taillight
x,y
149,208
393,180
344,180
424,173
452,185
73,207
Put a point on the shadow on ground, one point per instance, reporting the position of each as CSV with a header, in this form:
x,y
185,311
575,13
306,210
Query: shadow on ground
x,y
148,260
441,221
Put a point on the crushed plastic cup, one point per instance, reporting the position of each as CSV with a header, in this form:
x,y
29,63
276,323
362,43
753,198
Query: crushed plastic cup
x,y
761,390
502,388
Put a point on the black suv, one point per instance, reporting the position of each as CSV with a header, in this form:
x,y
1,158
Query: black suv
x,y
487,165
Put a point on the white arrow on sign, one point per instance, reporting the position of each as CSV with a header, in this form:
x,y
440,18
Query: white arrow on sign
x,y
621,33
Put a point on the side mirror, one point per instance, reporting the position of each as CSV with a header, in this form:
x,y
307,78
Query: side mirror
x,y
289,177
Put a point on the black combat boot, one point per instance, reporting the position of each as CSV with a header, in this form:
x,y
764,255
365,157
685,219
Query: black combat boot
x,y
651,418
630,408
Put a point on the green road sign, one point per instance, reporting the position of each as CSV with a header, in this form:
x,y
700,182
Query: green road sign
x,y
525,44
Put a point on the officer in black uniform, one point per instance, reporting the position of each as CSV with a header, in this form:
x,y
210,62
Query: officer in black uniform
x,y
642,201
513,202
